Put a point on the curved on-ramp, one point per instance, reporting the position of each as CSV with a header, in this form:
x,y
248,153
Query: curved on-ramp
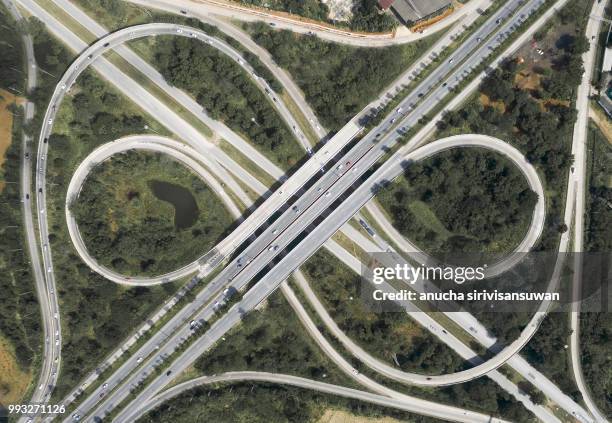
x,y
175,149
529,172
335,34
419,406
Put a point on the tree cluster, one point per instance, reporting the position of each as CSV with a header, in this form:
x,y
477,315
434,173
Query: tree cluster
x,y
479,197
337,80
268,340
227,94
377,332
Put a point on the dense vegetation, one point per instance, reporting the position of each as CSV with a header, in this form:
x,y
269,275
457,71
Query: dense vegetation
x,y
227,94
126,227
595,335
19,312
338,80
271,340
598,236
264,403
392,336
20,327
366,15
313,9
461,200
596,328
522,120
547,351
11,51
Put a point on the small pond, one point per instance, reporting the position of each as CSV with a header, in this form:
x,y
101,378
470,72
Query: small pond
x,y
185,207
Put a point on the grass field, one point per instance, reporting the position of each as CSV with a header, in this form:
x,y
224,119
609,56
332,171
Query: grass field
x,y
333,415
13,380
6,122
424,214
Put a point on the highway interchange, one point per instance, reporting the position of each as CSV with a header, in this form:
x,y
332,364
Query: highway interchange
x,y
323,193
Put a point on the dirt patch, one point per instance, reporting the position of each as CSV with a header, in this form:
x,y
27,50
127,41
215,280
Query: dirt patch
x,y
545,104
425,24
602,122
486,101
340,416
6,121
13,381
527,80
6,124
407,331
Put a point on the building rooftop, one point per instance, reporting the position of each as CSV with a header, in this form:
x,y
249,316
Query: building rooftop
x,y
607,62
415,10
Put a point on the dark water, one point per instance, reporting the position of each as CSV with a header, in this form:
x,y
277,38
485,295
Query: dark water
x,y
185,208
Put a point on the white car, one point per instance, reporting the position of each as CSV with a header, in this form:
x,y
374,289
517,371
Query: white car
x,y
139,360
